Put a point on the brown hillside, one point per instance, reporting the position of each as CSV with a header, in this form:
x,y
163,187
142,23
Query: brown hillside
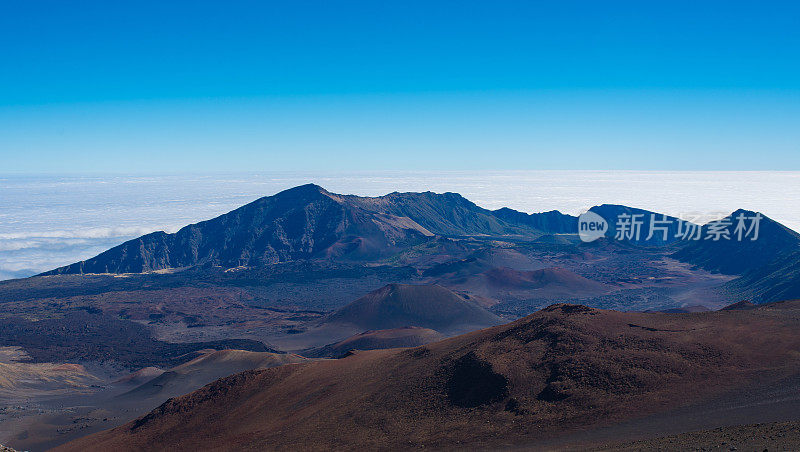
x,y
209,366
563,368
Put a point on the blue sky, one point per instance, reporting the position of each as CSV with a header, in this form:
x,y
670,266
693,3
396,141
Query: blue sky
x,y
208,86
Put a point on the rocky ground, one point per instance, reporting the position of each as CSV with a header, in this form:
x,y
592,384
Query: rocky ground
x,y
782,436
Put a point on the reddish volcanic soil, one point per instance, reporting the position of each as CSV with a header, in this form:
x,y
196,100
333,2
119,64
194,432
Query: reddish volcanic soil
x,y
560,370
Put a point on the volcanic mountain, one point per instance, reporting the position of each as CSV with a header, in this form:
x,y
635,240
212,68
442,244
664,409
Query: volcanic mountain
x,y
481,261
616,215
565,368
775,281
553,221
448,214
307,222
735,257
300,223
426,306
743,305
410,336
18,374
551,282
207,367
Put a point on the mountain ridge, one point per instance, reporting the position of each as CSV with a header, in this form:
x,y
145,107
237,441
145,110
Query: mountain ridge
x,y
735,257
307,223
304,222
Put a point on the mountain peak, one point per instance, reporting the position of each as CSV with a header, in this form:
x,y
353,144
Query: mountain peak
x,y
427,306
737,255
304,190
743,305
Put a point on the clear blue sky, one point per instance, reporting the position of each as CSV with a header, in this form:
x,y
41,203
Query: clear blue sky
x,y
204,86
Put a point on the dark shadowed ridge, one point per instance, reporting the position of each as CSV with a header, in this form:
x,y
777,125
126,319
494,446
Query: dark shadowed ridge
x,y
734,257
552,221
612,213
777,280
767,266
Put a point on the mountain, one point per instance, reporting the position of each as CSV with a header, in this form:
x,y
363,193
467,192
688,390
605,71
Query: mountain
x,y
552,221
426,306
308,222
775,281
615,215
565,369
304,222
300,223
734,257
142,375
448,214
481,260
743,305
209,366
19,374
551,282
410,336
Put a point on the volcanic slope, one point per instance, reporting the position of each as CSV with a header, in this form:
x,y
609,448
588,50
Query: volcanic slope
x,y
775,281
565,368
305,222
426,306
209,366
736,257
551,282
300,223
410,336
